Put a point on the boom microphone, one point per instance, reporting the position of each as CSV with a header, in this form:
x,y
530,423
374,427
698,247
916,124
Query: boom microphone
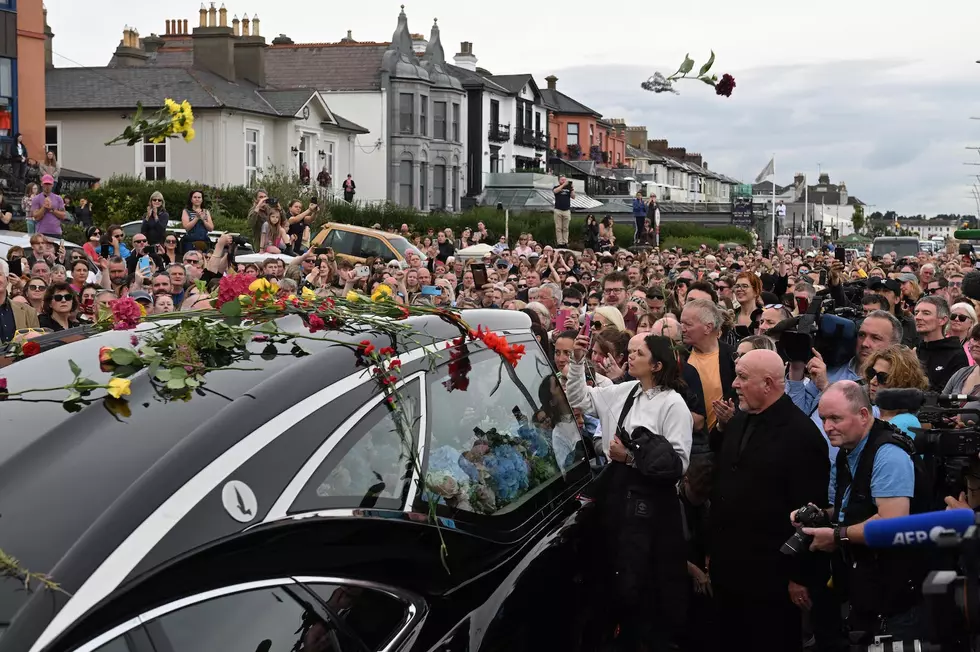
x,y
917,529
907,399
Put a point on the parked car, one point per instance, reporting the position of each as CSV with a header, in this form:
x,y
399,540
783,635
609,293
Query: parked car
x,y
357,244
255,519
904,247
175,227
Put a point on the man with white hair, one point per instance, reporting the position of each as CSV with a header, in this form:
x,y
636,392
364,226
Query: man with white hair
x,y
549,295
701,323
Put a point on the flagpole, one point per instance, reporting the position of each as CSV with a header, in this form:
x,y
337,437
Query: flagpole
x,y
774,201
806,206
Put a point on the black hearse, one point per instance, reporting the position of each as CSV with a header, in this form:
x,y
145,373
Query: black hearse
x,y
270,513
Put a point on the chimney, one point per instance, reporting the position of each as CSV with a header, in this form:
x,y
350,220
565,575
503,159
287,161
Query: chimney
x,y
170,27
636,137
349,38
204,16
152,44
222,16
48,43
552,82
679,153
658,146
184,30
799,179
824,178
236,26
282,39
214,46
250,55
419,43
245,22
129,54
465,58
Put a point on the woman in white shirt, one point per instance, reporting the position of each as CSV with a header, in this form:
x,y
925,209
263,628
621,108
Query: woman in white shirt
x,y
644,550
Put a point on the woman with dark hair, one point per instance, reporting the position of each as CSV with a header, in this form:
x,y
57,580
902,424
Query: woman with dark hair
x,y
93,243
196,221
591,233
607,239
60,303
647,433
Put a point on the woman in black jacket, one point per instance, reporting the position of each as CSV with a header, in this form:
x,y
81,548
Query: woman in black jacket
x,y
155,221
591,235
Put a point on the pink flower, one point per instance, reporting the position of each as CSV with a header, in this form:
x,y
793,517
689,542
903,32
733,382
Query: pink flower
x,y
230,287
125,313
3,384
134,340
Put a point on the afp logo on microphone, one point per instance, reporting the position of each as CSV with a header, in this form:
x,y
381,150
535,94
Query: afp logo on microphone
x,y
918,537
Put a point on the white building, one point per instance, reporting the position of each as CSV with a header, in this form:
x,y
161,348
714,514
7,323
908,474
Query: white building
x,y
676,181
242,126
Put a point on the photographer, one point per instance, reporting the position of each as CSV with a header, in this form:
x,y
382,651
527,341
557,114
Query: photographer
x,y
873,477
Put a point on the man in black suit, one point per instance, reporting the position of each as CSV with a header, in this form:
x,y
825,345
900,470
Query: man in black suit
x,y
771,456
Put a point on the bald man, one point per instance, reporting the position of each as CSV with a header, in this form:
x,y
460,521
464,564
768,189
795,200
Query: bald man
x,y
771,455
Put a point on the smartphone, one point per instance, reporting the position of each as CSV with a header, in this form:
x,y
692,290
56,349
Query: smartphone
x,y
431,291
561,317
479,274
314,200
587,325
144,266
840,254
362,271
802,304
106,251
17,266
322,251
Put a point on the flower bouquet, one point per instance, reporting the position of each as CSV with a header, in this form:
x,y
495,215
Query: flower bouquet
x,y
172,121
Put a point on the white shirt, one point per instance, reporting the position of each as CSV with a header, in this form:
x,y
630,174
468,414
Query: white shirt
x,y
663,412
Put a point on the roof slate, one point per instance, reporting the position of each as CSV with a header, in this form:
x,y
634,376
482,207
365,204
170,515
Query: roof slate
x,y
471,79
561,103
347,125
69,89
325,66
287,102
513,83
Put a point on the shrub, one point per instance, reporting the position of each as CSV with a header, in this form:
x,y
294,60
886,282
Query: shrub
x,y
690,243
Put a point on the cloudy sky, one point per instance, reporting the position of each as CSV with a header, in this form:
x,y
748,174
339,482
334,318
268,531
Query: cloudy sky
x,y
879,98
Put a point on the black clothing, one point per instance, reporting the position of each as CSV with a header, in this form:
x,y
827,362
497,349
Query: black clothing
x,y
135,256
8,324
563,198
888,581
940,360
766,466
155,230
45,321
591,237
446,249
84,216
5,208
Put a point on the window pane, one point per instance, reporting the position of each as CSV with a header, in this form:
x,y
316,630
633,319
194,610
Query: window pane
x,y
405,183
342,242
502,438
371,466
406,112
375,617
250,621
6,77
423,195
439,186
439,120
371,246
161,153
147,153
161,174
150,174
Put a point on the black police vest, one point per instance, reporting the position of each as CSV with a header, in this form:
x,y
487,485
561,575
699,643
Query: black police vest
x,y
883,581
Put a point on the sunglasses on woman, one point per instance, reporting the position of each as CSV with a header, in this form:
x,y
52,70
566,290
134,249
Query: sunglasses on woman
x,y
36,287
956,316
881,376
61,297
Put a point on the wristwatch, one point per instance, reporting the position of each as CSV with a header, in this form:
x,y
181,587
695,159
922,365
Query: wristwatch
x,y
840,534
630,460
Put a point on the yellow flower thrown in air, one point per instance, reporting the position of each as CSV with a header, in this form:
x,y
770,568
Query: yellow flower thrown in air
x,y
308,294
118,387
172,106
353,296
382,293
189,134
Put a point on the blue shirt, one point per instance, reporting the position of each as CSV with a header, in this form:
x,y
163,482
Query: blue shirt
x,y
892,475
905,421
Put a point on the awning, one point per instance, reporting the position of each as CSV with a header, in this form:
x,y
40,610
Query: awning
x,y
535,199
475,252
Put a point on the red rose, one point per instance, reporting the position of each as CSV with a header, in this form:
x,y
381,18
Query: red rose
x,y
30,348
3,384
316,324
725,85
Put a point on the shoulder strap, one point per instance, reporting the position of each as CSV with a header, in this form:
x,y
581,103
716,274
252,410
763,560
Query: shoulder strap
x,y
627,406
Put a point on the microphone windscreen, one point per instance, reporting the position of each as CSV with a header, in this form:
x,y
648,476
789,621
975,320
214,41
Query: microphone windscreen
x,y
899,398
971,285
917,529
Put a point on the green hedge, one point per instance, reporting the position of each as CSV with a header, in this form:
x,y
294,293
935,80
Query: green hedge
x,y
124,199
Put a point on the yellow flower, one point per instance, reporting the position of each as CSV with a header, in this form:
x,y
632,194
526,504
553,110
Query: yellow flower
x,y
353,296
142,314
382,293
308,294
189,134
118,387
185,106
172,106
261,286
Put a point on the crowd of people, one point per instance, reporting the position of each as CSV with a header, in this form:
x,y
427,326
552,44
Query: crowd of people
x,y
669,359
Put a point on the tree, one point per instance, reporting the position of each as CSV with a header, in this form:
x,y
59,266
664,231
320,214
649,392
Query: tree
x,y
891,216
857,219
876,216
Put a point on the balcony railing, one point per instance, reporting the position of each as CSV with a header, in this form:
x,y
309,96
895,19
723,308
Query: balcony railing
x,y
498,133
540,140
524,137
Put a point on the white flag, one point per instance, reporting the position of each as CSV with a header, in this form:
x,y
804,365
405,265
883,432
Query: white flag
x,y
768,171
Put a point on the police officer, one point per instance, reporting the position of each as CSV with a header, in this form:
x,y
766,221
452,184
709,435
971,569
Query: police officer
x,y
873,477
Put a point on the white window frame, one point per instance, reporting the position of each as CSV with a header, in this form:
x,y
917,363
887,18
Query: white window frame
x,y
259,153
141,164
308,154
330,148
57,125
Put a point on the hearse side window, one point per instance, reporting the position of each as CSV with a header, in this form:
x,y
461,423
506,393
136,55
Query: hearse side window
x,y
270,619
370,467
342,242
498,435
371,246
375,617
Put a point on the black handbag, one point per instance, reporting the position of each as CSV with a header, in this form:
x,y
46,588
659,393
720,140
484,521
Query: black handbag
x,y
653,456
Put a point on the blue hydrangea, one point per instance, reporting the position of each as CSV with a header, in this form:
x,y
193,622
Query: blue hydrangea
x,y
508,472
469,469
536,442
447,460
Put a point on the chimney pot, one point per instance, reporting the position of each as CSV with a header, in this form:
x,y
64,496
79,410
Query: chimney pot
x,y
212,16
350,34
204,16
167,31
245,25
185,30
236,26
552,82
223,16
255,25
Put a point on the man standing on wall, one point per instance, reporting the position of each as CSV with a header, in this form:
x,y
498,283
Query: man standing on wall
x,y
564,193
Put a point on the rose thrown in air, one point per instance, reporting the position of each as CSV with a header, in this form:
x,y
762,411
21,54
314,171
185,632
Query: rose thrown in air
x,y
658,83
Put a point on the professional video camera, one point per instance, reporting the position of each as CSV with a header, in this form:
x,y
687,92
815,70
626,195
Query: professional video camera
x,y
832,331
949,438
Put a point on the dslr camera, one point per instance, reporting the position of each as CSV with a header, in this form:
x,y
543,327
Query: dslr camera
x,y
808,516
239,240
